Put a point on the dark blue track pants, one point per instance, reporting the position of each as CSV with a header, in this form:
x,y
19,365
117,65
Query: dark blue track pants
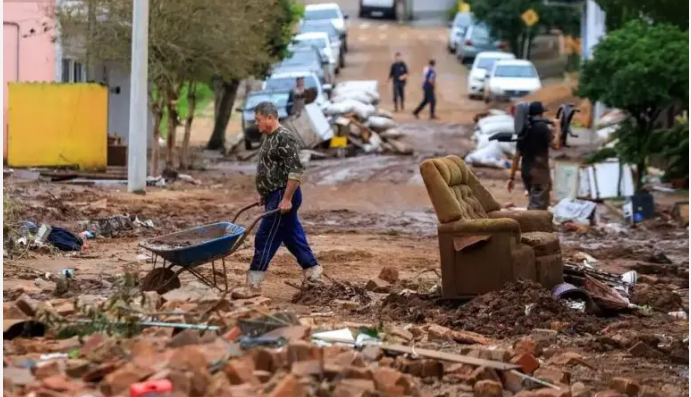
x,y
281,228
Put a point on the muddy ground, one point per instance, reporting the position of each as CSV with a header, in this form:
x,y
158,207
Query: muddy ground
x,y
368,212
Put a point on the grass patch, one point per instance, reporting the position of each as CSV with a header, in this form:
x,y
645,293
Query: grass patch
x,y
204,96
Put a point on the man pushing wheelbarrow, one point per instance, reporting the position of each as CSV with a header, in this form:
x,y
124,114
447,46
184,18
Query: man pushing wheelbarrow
x,y
278,185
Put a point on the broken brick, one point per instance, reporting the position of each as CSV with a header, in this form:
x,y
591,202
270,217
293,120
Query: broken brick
x,y
10,311
47,369
469,338
241,371
65,309
378,285
120,380
306,368
59,383
437,332
527,362
263,376
352,372
627,386
77,368
385,379
389,274
643,350
269,360
512,381
553,375
488,388
27,305
190,358
185,337
550,392
300,351
569,359
386,362
353,388
288,387
409,366
558,326
525,346
484,373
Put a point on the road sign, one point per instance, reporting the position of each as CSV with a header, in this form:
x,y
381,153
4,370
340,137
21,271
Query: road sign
x,y
530,17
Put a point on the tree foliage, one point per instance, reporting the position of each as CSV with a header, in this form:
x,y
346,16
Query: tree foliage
x,y
189,42
619,12
641,69
504,19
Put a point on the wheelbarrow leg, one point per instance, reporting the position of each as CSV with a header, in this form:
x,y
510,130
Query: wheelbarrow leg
x,y
225,275
213,271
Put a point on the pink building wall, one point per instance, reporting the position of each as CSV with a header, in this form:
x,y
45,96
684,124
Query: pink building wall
x,y
28,49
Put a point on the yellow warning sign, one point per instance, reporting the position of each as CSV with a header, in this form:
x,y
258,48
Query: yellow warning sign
x,y
530,17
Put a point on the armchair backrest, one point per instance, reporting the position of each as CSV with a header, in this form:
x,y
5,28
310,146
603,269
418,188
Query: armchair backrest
x,y
448,184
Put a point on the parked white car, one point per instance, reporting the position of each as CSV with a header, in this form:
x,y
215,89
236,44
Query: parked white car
x,y
329,12
383,8
510,79
482,66
321,41
460,23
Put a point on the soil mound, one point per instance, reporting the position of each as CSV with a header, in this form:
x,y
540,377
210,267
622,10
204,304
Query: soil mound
x,y
325,294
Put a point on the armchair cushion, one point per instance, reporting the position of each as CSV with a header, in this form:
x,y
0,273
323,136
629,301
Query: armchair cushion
x,y
543,243
446,180
530,221
481,227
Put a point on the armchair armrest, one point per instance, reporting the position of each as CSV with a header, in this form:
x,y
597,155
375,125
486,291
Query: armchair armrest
x,y
530,221
482,226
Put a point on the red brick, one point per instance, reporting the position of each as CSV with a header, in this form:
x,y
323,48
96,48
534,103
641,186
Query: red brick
x,y
432,368
59,383
241,371
354,388
306,368
352,372
190,358
488,388
386,379
120,380
77,368
263,376
300,351
568,359
409,366
525,346
27,305
10,311
553,375
386,362
626,386
527,362
269,360
289,387
378,285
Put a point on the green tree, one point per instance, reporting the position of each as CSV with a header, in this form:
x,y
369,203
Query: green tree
x,y
619,12
641,69
503,17
278,33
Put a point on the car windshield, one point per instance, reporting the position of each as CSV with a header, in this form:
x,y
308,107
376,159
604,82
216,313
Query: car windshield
x,y
279,100
313,15
462,19
321,28
288,83
515,71
480,33
486,63
319,43
297,58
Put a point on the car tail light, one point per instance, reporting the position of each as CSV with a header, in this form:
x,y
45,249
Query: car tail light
x,y
468,42
500,45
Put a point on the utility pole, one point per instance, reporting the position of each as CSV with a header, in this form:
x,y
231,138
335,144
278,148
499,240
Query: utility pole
x,y
139,79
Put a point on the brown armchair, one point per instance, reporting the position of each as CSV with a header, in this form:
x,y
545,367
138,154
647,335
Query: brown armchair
x,y
481,246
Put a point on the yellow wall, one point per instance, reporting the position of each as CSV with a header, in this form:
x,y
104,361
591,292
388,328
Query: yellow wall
x,y
58,125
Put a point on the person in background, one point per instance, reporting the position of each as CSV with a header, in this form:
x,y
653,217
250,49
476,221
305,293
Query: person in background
x,y
398,75
278,186
296,98
533,149
429,80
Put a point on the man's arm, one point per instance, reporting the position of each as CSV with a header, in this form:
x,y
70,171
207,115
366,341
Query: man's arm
x,y
291,154
404,76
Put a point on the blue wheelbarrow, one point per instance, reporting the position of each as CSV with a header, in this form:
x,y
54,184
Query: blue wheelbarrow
x,y
189,249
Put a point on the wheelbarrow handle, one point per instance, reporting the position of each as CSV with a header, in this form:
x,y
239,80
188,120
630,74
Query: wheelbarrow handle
x,y
243,209
251,226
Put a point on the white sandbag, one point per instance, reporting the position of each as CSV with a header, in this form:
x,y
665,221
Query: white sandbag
x,y
507,148
392,133
359,96
363,111
489,156
380,123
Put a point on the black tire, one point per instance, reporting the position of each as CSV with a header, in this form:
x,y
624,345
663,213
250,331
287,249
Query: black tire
x,y
341,60
248,144
345,44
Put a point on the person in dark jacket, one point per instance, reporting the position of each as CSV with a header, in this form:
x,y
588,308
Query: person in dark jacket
x,y
429,80
533,149
398,75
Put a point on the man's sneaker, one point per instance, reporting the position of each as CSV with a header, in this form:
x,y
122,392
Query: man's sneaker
x,y
313,275
253,288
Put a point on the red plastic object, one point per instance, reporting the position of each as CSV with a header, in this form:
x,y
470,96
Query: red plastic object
x,y
153,388
468,42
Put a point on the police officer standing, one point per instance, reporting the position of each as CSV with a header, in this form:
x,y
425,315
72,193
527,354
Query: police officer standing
x,y
398,75
533,149
429,82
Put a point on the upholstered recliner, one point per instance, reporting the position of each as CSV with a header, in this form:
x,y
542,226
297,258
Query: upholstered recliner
x,y
481,246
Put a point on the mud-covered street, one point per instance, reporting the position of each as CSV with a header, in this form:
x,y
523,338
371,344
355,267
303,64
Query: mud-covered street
x,y
369,212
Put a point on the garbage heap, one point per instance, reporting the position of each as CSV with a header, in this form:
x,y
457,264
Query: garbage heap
x,y
189,344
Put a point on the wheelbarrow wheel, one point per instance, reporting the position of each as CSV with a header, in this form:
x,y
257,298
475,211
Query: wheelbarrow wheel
x,y
158,280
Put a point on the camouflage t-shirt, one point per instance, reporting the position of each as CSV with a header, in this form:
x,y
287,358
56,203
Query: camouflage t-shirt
x,y
279,160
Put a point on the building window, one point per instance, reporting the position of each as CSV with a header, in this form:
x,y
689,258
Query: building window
x,y
73,71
